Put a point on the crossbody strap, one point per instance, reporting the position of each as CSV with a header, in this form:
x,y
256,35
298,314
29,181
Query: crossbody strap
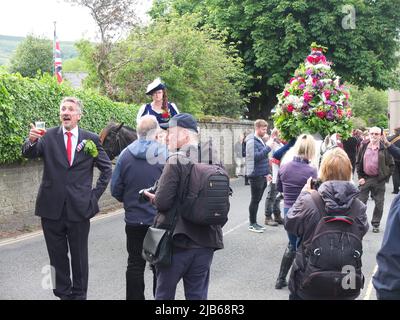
x,y
395,139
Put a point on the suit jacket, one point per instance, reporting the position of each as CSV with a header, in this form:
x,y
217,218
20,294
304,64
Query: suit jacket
x,y
62,183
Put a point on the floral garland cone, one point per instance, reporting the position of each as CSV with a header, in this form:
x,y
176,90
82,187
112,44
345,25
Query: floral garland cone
x,y
314,101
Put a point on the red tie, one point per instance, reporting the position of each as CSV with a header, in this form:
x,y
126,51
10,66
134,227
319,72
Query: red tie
x,y
69,147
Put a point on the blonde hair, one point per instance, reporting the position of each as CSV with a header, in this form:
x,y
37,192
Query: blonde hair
x,y
305,147
335,165
260,123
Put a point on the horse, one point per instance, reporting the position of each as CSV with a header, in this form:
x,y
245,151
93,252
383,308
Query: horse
x,y
115,137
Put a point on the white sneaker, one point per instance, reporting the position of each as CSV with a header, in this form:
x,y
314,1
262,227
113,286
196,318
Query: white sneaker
x,y
256,228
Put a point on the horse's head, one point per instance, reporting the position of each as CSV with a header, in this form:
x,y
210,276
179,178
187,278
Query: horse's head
x,y
116,137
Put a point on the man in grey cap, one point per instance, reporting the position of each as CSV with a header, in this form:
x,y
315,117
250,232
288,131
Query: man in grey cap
x,y
193,244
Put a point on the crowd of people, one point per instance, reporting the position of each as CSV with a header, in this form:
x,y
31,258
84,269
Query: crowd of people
x,y
167,146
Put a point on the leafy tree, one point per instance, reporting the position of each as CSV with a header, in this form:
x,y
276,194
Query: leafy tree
x,y
31,55
203,76
273,36
371,105
113,18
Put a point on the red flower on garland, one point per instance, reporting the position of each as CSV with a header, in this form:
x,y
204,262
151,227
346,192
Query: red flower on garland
x,y
321,114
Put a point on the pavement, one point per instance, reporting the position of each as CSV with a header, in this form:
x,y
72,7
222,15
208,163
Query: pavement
x,y
245,269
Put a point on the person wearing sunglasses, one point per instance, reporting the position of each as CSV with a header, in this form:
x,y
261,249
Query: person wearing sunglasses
x,y
375,165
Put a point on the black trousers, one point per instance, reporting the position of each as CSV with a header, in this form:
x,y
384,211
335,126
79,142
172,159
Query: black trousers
x,y
396,176
136,264
257,187
59,236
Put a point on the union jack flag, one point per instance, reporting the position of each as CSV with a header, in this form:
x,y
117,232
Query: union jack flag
x,y
57,58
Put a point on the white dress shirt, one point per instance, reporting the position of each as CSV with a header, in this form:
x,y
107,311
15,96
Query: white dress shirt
x,y
74,140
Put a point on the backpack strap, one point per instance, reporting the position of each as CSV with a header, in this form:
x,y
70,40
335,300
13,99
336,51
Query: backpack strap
x,y
320,204
395,139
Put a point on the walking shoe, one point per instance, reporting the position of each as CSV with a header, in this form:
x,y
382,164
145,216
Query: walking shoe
x,y
270,222
262,227
278,218
255,228
375,229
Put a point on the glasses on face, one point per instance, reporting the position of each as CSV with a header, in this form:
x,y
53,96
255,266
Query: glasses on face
x,y
375,134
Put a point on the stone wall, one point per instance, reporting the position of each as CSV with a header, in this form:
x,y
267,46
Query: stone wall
x,y
19,183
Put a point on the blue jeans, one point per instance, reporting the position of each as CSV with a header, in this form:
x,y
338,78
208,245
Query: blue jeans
x,y
293,240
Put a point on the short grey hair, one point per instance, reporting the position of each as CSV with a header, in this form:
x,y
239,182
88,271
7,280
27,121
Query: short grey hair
x,y
147,127
75,100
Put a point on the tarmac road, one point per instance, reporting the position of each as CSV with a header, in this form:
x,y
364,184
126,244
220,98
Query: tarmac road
x,y
245,269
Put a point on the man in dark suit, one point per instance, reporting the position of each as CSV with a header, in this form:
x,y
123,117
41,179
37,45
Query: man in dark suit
x,y
66,200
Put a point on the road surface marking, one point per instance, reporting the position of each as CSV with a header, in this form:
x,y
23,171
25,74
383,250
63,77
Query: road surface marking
x,y
237,227
39,233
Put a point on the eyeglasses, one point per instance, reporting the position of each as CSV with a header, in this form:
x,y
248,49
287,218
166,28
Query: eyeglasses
x,y
375,134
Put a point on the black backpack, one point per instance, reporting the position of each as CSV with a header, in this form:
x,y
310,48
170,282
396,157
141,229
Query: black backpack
x,y
207,195
333,256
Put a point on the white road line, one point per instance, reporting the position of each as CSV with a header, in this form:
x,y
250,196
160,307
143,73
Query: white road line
x,y
237,227
100,217
39,233
370,285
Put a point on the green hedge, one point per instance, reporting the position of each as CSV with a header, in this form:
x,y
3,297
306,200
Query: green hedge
x,y
25,100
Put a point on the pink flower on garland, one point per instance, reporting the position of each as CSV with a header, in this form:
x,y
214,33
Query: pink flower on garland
x,y
307,96
290,108
286,93
327,94
321,114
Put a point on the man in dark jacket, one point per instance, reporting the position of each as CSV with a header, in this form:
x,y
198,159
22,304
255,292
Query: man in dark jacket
x,y
66,199
387,279
138,167
257,169
395,140
193,244
374,168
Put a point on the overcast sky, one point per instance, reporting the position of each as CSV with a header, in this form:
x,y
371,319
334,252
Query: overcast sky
x,y
21,17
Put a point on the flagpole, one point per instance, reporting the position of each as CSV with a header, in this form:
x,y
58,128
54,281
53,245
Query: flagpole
x,y
54,49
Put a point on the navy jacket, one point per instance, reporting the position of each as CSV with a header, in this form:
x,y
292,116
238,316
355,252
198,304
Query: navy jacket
x,y
257,164
138,167
65,184
387,279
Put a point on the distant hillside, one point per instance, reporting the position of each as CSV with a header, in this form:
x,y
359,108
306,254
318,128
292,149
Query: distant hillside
x,y
8,44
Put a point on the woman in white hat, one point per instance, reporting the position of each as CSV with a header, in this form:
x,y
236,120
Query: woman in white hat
x,y
159,107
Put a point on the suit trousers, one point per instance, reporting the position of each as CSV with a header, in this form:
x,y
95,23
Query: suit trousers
x,y
59,236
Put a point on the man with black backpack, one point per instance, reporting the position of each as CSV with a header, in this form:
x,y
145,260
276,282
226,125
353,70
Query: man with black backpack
x,y
201,189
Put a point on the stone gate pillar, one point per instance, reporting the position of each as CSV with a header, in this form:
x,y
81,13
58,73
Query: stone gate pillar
x,y
394,109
